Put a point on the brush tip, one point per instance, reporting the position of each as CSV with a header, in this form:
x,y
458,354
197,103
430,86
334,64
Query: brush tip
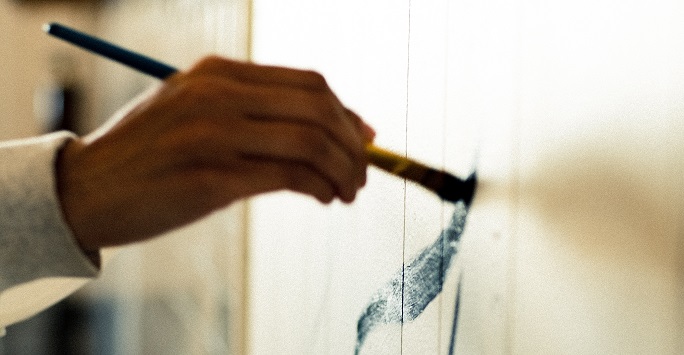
x,y
454,189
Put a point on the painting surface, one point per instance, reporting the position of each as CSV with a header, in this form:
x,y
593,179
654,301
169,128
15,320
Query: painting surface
x,y
387,61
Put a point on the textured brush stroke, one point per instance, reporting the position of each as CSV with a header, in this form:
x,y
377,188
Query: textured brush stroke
x,y
407,295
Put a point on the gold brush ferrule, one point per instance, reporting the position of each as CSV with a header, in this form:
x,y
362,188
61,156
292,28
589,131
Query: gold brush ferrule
x,y
445,185
398,165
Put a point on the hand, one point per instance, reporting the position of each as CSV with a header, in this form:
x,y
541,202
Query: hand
x,y
220,132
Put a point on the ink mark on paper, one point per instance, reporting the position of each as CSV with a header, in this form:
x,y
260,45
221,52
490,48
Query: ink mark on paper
x,y
412,289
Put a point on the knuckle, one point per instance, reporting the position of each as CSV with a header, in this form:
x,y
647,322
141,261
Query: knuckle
x,y
316,79
209,63
216,65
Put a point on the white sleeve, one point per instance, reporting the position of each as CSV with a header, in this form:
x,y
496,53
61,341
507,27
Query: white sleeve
x,y
40,261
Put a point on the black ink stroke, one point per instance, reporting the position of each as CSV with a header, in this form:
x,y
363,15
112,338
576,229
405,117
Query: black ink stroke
x,y
454,325
412,289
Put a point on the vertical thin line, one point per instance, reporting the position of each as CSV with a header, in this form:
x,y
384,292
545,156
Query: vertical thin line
x,y
445,117
406,116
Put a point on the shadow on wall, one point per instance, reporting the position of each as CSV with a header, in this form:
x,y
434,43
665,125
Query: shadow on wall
x,y
608,201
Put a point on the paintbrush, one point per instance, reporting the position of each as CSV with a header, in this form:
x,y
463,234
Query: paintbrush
x,y
447,186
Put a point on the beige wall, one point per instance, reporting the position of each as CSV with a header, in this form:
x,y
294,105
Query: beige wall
x,y
182,293
24,58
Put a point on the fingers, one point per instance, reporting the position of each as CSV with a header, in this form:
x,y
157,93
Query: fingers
x,y
257,176
309,146
275,93
282,123
283,107
288,146
278,117
279,76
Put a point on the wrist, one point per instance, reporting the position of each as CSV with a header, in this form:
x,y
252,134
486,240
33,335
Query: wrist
x,y
68,194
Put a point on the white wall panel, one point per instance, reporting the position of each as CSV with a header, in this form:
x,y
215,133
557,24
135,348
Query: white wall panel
x,y
572,113
424,213
313,268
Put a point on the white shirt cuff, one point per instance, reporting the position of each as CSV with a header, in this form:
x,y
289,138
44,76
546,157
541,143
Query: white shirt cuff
x,y
35,241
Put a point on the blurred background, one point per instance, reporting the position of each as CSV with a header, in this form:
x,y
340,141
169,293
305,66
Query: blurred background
x,y
174,295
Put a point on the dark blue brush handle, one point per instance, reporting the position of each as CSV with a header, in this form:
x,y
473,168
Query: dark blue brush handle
x,y
134,60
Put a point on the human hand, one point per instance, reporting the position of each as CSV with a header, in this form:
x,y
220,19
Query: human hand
x,y
220,132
